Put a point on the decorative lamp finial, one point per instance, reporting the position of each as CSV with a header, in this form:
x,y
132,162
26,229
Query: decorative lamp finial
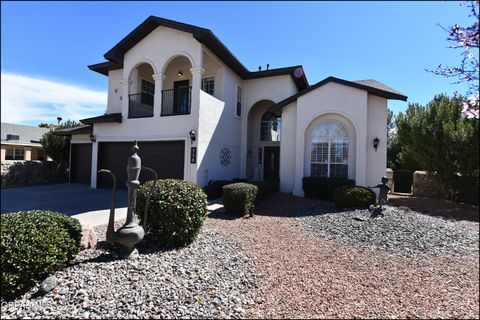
x,y
135,148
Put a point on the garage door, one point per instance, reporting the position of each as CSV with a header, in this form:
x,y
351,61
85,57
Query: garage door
x,y
81,163
165,157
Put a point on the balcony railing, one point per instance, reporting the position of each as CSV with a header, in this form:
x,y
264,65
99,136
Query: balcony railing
x,y
176,101
140,105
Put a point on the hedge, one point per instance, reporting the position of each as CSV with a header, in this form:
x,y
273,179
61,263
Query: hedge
x,y
354,197
323,187
33,245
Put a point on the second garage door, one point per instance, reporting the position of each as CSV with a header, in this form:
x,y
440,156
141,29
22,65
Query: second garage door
x,y
165,157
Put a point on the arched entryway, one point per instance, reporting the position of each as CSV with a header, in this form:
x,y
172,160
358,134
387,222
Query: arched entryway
x,y
141,91
263,142
177,87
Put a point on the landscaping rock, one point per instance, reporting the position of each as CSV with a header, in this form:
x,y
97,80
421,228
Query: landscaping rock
x,y
48,284
211,278
398,231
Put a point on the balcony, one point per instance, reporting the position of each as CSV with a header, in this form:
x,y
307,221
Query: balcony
x,y
176,101
140,105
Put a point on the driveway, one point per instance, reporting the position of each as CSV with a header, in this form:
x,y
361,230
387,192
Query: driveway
x,y
69,199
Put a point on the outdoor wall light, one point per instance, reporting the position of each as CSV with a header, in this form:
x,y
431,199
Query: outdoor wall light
x,y
180,73
192,135
93,138
376,141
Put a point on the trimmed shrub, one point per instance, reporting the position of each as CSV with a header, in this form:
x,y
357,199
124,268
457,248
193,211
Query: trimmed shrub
x,y
323,187
176,211
354,197
214,188
33,245
238,198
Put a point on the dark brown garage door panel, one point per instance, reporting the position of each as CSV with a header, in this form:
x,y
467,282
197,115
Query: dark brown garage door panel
x,y
165,157
81,163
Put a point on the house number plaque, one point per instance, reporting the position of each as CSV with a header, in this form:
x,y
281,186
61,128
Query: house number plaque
x,y
193,155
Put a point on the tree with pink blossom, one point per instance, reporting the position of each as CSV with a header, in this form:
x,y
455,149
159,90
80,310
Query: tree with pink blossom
x,y
467,40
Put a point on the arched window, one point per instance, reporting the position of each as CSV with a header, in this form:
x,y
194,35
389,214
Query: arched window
x,y
270,126
329,150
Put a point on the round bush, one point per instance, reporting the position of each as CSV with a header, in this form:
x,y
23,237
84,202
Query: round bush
x,y
350,197
238,198
33,245
176,210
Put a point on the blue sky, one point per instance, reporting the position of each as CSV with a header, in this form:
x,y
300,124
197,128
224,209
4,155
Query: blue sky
x,y
46,46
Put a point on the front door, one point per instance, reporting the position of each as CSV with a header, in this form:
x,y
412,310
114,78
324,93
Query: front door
x,y
271,163
181,97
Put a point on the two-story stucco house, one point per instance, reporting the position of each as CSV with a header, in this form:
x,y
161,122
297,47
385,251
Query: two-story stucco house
x,y
198,114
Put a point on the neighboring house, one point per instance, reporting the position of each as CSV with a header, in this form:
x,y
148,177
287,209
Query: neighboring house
x,y
21,142
200,115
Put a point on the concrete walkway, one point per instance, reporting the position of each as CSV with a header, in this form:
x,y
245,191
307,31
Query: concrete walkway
x,y
99,217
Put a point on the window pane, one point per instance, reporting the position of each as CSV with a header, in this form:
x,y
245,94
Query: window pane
x,y
319,152
318,170
239,109
18,154
208,85
148,87
9,154
339,152
339,170
270,127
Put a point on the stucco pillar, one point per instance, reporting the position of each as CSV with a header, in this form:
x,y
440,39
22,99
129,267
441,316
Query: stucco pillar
x,y
28,153
197,73
157,98
93,174
125,92
4,151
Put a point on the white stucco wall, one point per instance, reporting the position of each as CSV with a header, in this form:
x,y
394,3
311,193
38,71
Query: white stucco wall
x,y
338,102
274,89
288,140
114,104
213,136
377,127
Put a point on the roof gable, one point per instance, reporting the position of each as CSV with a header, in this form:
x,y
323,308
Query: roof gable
x,y
206,37
373,87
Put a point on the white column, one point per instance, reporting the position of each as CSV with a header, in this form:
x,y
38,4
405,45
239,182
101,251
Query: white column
x,y
93,174
157,98
197,73
125,92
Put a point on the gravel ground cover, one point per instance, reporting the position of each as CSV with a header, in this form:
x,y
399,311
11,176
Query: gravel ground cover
x,y
307,275
398,231
211,278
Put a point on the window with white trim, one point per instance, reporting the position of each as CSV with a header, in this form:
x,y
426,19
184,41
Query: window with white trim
x,y
14,154
238,110
270,125
208,85
329,150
